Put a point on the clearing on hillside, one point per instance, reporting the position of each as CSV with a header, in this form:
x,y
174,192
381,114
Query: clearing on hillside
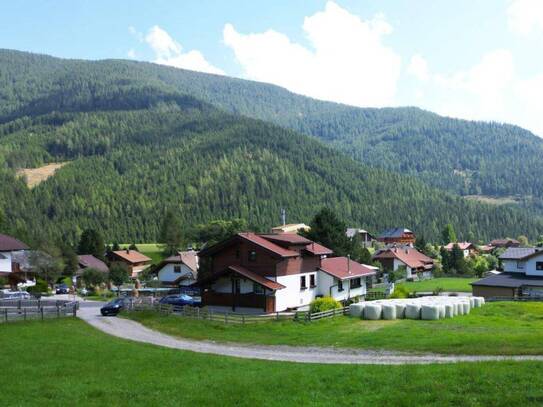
x,y
492,200
34,176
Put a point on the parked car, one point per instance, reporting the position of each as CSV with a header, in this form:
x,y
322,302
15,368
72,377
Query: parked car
x,y
62,289
114,307
15,295
180,300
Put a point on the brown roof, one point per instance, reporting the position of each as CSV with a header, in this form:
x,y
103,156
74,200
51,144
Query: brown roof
x,y
461,245
407,255
253,238
504,242
132,256
257,278
318,249
89,261
291,238
343,268
8,243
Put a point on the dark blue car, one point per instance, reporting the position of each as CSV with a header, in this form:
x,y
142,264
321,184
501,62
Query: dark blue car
x,y
180,300
114,307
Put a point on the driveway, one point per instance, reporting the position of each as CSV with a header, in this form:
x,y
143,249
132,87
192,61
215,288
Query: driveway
x,y
131,330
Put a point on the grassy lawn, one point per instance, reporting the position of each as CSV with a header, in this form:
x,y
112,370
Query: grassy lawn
x,y
446,283
497,328
66,362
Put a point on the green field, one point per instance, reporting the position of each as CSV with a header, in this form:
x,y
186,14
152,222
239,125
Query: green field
x,y
445,283
504,328
67,363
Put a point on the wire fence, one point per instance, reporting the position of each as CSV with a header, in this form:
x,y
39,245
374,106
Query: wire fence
x,y
22,310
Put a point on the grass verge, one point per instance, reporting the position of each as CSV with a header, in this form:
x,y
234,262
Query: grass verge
x,y
505,328
446,283
66,362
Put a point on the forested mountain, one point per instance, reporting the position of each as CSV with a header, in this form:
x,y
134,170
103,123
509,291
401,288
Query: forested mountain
x,y
138,144
457,155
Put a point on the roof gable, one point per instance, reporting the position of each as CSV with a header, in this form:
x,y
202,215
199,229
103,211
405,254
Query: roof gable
x,y
132,256
9,243
344,268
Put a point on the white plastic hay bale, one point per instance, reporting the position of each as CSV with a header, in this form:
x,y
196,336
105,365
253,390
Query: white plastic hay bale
x,y
400,310
449,310
472,302
476,302
441,308
482,299
459,308
372,311
466,308
389,311
429,312
412,311
356,310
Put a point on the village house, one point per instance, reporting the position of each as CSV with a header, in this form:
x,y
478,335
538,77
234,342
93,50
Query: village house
x,y
418,266
522,275
88,261
136,261
504,243
10,247
277,272
468,249
290,228
364,237
397,236
179,270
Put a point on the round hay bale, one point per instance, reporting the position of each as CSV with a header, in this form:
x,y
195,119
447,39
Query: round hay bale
x,y
472,302
400,310
389,311
459,308
466,308
412,311
476,302
356,310
441,308
430,312
449,310
372,311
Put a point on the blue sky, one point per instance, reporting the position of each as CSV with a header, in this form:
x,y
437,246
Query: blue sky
x,y
475,59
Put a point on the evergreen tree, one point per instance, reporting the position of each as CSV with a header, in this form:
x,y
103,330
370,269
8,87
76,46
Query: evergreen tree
x,y
328,230
420,243
170,233
456,260
448,235
91,242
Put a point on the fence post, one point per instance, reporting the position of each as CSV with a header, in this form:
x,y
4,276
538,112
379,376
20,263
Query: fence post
x,y
197,313
41,310
74,310
19,304
58,311
6,314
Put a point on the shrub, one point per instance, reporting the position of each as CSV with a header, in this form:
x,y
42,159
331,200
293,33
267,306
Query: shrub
x,y
40,287
400,291
323,304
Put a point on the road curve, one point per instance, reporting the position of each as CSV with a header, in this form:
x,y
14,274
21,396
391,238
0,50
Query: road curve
x,y
134,331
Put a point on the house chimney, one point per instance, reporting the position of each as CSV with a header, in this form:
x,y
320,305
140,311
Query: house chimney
x,y
128,250
283,216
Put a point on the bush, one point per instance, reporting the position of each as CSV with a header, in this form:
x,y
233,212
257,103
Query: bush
x,y
41,287
400,291
323,304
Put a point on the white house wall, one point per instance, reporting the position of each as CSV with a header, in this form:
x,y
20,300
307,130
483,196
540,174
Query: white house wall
x,y
5,262
224,285
510,266
168,275
292,295
529,266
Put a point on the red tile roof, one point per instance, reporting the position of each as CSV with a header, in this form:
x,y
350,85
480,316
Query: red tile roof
x,y
132,256
343,268
257,278
318,249
462,245
407,255
291,238
8,243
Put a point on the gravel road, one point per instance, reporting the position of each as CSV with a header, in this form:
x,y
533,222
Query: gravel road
x,y
131,330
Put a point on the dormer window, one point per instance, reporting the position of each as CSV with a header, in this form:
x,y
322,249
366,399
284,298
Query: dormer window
x,y
252,255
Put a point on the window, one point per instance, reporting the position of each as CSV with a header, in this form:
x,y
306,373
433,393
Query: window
x,y
252,255
520,265
356,283
177,269
369,282
258,289
302,283
340,285
312,280
539,265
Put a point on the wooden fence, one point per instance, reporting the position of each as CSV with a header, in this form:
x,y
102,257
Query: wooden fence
x,y
526,298
22,310
313,316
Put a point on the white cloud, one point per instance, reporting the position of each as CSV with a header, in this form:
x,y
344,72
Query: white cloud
x,y
418,67
347,62
525,16
169,52
131,53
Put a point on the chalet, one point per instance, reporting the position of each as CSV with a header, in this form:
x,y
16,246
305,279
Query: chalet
x,y
504,243
179,270
136,261
397,236
10,247
417,264
276,272
522,275
88,261
364,237
468,249
290,228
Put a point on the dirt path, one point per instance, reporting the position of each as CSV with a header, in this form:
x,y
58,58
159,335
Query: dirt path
x,y
127,329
